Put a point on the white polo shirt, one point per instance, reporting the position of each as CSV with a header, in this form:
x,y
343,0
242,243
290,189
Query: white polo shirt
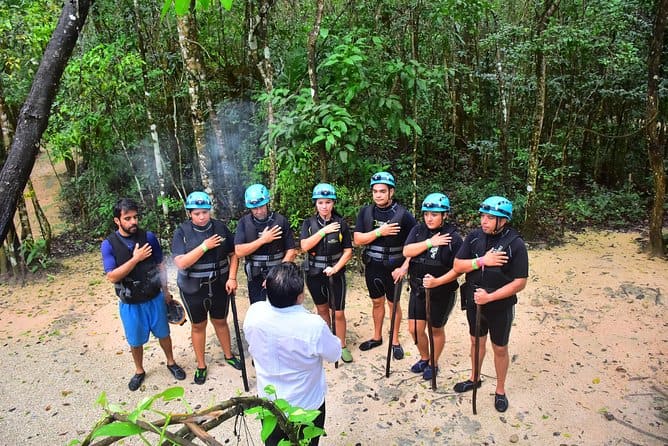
x,y
288,346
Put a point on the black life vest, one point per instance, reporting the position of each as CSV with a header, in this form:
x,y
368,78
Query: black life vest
x,y
274,251
492,277
143,282
328,250
214,262
430,261
389,249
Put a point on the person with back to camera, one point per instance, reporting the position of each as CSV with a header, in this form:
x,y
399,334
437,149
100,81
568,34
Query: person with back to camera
x,y
203,250
264,238
382,229
133,262
431,247
325,238
289,345
494,258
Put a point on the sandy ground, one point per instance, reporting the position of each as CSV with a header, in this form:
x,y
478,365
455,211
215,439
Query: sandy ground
x,y
588,348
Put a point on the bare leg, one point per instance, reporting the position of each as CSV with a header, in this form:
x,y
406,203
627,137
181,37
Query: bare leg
x,y
378,316
323,312
223,333
166,344
340,320
422,340
501,363
481,355
198,335
138,359
397,322
439,343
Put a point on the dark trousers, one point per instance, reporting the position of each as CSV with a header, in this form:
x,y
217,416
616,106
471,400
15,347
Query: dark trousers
x,y
277,435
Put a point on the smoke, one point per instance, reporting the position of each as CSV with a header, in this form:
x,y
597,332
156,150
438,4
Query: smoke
x,y
233,162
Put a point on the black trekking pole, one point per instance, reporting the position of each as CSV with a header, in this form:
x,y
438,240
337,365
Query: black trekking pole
x,y
397,297
332,309
240,344
476,360
430,333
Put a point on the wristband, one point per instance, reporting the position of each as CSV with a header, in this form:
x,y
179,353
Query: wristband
x,y
480,262
378,234
322,233
474,264
429,245
203,246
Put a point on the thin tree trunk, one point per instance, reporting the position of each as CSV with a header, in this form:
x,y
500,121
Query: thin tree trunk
x,y
153,128
531,213
258,40
313,80
415,29
191,54
34,115
656,140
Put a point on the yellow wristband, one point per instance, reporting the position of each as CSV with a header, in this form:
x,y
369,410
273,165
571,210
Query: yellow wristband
x,y
203,246
322,233
378,234
474,264
429,245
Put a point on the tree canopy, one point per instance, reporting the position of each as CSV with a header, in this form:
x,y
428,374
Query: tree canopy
x,y
162,98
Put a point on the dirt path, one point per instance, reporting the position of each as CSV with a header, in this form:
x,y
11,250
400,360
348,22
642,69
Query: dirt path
x,y
588,361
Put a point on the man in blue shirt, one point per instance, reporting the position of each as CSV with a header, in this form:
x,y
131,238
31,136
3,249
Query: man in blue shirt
x,y
132,261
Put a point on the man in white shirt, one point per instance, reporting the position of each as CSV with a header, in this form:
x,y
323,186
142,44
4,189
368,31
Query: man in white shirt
x,y
289,344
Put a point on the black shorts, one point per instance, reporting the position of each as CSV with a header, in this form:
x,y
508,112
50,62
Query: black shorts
x,y
256,276
442,302
497,323
379,281
210,300
318,286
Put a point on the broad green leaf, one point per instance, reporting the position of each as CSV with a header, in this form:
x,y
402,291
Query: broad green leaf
x,y
324,32
118,429
268,425
227,4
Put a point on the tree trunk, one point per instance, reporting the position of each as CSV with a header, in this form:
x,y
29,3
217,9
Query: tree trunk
x,y
153,128
313,80
531,229
656,139
191,54
34,115
258,40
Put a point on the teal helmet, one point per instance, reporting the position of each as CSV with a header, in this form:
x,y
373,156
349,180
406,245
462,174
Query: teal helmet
x,y
436,202
256,195
324,190
382,178
497,206
198,200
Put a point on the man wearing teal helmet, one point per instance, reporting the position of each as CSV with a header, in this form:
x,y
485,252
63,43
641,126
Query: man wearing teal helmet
x,y
203,250
264,238
431,247
495,260
382,229
325,238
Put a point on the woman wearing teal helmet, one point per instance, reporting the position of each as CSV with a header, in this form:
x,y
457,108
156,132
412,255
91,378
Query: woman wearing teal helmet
x,y
431,247
325,238
494,258
203,250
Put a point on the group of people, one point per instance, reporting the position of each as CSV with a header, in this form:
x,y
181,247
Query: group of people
x,y
289,344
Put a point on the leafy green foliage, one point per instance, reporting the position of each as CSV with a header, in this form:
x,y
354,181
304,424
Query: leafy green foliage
x,y
35,253
302,419
604,207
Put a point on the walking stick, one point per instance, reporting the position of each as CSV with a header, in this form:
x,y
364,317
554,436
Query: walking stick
x,y
332,309
476,360
430,333
397,296
240,344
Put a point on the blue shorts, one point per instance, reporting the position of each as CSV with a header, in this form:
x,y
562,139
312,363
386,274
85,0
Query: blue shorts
x,y
139,320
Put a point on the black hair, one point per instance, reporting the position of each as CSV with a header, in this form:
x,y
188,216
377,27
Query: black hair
x,y
124,205
284,283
